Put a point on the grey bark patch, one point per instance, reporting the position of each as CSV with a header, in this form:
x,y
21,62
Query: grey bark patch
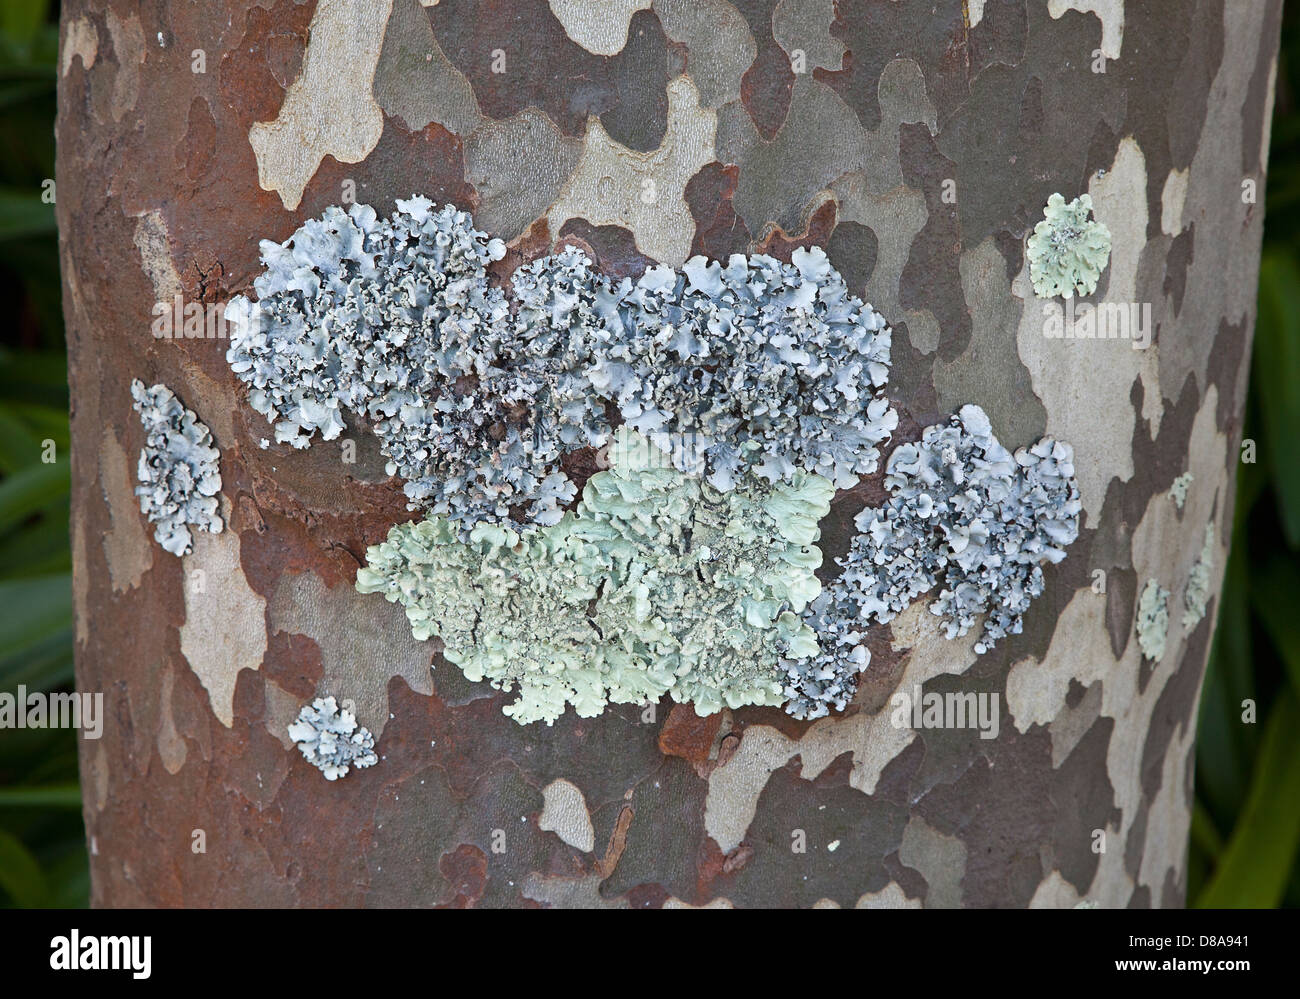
x,y
639,119
1121,598
225,621
796,813
852,251
823,135
938,858
990,369
1082,801
360,652
672,795
517,167
416,82
564,812
720,46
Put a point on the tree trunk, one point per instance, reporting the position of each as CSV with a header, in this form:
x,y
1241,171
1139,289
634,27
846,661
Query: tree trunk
x,y
918,144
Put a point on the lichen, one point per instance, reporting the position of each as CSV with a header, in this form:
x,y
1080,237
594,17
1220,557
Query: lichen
x,y
964,514
1178,490
1197,593
330,739
735,399
475,398
781,355
179,469
395,320
656,583
1152,623
1067,251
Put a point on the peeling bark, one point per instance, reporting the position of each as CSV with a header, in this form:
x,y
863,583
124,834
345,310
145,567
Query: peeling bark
x,y
917,143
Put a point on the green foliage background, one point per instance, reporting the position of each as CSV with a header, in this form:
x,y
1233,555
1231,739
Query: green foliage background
x,y
1246,822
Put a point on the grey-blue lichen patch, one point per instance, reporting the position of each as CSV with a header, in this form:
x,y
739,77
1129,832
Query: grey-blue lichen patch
x,y
394,320
179,469
1152,624
1178,489
475,397
330,739
656,583
781,355
1067,250
1197,593
964,514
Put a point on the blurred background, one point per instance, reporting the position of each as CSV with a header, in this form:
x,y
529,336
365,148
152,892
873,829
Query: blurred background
x,y
1246,822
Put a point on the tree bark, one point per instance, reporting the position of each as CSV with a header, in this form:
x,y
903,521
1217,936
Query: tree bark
x,y
917,143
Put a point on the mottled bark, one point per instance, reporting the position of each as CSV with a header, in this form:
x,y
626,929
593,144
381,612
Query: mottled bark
x,y
918,143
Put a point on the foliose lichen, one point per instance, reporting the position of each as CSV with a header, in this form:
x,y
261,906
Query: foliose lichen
x,y
1197,593
179,469
1178,489
656,583
1067,250
475,398
964,514
330,739
780,355
744,394
394,320
1152,623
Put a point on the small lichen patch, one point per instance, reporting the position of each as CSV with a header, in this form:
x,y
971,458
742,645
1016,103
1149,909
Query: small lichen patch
x,y
657,583
1197,593
1178,490
965,514
1068,250
330,739
178,470
1153,620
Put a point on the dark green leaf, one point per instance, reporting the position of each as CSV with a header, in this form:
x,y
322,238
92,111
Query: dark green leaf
x,y
1252,872
1277,380
34,609
20,875
31,489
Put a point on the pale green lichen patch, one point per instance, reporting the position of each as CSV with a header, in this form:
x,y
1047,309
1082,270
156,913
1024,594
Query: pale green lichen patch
x,y
1178,490
1153,620
1068,250
1197,594
656,583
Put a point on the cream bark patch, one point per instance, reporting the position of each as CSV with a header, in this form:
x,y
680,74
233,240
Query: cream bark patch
x,y
329,109
643,192
564,812
599,26
225,620
126,545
